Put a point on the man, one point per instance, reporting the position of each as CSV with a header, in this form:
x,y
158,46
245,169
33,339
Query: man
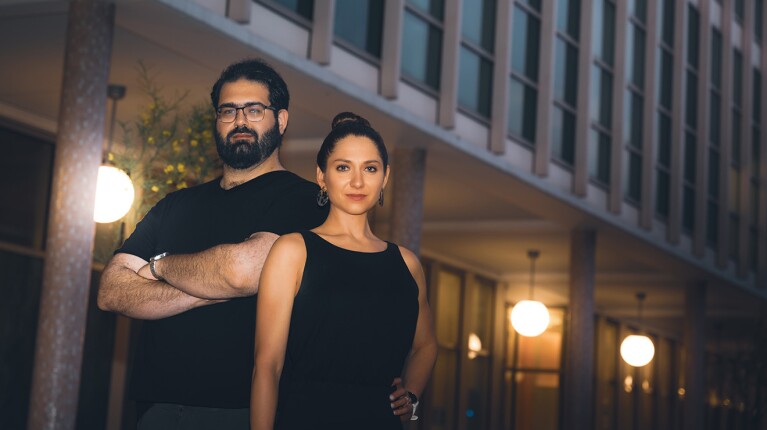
x,y
189,271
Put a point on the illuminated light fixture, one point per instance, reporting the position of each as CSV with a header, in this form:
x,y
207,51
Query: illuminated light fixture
x,y
530,317
114,188
114,194
637,350
475,345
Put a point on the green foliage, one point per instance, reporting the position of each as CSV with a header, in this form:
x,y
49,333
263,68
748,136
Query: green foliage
x,y
169,146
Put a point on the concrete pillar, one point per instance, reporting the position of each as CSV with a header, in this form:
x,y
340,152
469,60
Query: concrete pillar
x,y
322,31
542,153
499,124
408,171
579,354
582,120
239,11
69,247
391,47
695,356
451,48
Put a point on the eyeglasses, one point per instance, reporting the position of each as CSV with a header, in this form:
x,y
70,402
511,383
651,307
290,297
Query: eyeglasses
x,y
254,112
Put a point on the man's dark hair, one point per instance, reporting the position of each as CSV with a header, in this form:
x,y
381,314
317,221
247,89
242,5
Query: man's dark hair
x,y
255,70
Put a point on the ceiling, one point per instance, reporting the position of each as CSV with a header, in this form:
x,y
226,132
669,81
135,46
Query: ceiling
x,y
475,216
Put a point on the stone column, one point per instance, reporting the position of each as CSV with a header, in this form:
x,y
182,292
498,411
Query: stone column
x,y
408,171
69,246
579,354
695,356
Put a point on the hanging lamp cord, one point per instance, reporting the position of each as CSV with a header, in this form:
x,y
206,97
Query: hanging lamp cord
x,y
533,255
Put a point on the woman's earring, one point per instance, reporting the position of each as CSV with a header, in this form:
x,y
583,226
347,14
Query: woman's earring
x,y
381,198
322,197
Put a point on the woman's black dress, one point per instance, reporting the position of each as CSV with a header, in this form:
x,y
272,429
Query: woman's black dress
x,y
351,330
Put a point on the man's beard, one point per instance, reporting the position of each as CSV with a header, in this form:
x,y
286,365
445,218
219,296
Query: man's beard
x,y
243,154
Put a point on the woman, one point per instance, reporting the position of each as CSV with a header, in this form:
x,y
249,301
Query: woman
x,y
341,313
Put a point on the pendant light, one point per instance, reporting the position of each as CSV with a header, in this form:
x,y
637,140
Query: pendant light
x,y
114,188
638,350
530,317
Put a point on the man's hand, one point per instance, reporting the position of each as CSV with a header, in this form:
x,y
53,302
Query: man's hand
x,y
400,401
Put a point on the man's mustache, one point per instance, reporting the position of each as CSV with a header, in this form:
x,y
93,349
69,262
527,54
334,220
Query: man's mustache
x,y
241,130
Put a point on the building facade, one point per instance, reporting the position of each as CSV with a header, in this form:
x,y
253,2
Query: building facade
x,y
622,139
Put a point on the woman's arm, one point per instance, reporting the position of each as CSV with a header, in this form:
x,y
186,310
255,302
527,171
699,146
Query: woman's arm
x,y
279,283
424,351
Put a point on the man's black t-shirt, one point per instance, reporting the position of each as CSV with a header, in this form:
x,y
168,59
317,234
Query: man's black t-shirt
x,y
204,357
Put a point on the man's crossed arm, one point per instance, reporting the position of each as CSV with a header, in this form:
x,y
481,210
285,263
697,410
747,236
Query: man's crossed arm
x,y
191,280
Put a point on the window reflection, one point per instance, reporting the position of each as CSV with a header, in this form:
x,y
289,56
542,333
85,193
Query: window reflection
x,y
476,75
303,8
476,56
360,23
422,42
523,88
522,110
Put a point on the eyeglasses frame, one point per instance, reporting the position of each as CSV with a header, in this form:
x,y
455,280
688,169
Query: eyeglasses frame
x,y
242,108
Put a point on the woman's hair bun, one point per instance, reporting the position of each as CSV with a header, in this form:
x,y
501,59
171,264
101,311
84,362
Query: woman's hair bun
x,y
348,118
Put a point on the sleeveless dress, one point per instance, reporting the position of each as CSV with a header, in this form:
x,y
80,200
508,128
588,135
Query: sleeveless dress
x,y
351,330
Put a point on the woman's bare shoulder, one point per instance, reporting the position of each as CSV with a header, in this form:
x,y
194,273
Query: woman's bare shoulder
x,y
292,243
412,261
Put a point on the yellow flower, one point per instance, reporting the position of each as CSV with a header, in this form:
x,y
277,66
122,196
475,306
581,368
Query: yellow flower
x,y
189,130
150,140
166,133
155,188
194,142
201,159
169,181
207,133
169,168
180,167
181,185
111,157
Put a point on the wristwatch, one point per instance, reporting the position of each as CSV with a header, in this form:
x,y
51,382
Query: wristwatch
x,y
151,265
414,402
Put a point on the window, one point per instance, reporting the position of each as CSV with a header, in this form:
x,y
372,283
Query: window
x,y
634,100
565,80
444,382
480,318
600,99
691,120
422,42
359,23
756,154
663,165
532,374
301,8
476,56
758,25
458,304
665,81
715,139
736,148
690,166
25,174
523,89
740,9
